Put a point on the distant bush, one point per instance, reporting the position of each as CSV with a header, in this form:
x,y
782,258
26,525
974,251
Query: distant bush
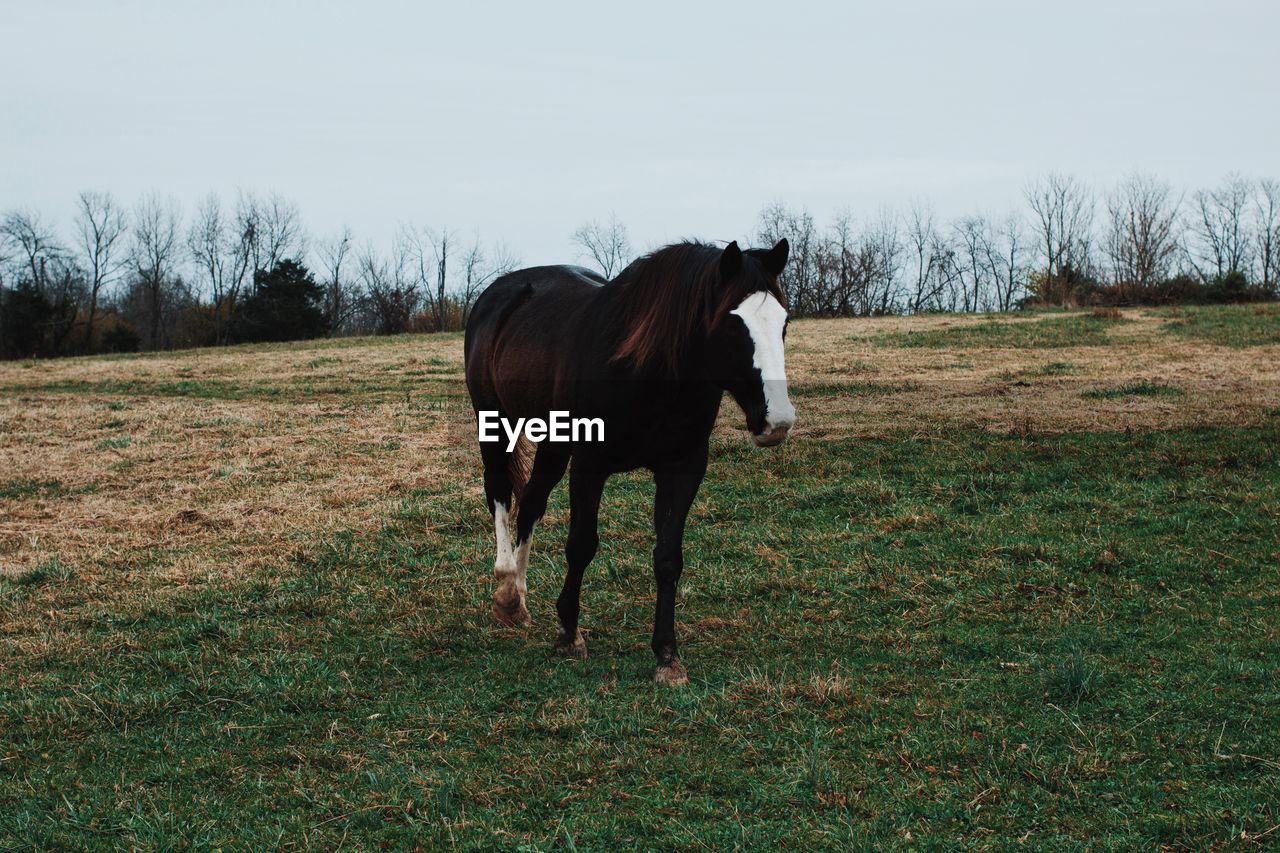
x,y
196,325
1232,287
1182,289
1071,287
119,336
25,315
426,321
285,304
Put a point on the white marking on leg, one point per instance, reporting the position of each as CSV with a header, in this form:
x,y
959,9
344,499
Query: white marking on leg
x,y
522,564
765,318
504,564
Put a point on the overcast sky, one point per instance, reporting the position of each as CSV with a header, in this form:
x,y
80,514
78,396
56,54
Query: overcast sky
x,y
523,121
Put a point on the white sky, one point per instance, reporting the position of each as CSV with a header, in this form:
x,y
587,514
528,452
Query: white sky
x,y
523,121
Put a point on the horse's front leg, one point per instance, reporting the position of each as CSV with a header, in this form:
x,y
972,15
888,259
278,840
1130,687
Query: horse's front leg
x,y
586,484
676,489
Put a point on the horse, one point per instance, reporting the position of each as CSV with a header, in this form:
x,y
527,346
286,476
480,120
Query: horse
x,y
650,353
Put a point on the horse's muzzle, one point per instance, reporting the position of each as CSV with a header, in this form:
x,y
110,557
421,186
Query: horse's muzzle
x,y
774,436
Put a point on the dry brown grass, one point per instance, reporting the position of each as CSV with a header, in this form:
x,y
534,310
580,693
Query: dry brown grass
x,y
181,468
1016,390
158,492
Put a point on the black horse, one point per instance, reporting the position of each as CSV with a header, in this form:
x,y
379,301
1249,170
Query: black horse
x,y
650,354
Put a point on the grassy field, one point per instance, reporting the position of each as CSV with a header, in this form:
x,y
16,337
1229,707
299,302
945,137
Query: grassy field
x,y
1012,579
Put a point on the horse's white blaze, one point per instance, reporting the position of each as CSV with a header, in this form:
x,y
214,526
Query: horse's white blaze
x,y
505,562
765,318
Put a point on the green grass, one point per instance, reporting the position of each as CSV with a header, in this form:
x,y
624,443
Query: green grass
x,y
1070,678
324,345
321,361
1134,389
1053,368
220,389
31,488
847,389
1057,368
1226,325
1020,333
51,571
204,389
915,640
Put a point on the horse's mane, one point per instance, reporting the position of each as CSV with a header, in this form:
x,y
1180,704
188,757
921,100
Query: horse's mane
x,y
662,301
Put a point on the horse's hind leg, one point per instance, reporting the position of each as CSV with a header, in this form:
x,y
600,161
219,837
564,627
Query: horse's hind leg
x,y
548,468
508,598
585,487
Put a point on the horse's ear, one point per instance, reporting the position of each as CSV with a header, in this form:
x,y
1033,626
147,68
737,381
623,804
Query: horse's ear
x,y
776,258
730,261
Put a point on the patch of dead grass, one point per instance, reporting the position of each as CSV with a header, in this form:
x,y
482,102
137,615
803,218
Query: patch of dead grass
x,y
938,388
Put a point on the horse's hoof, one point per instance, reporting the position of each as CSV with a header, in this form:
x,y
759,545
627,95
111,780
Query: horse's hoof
x,y
576,649
510,612
672,673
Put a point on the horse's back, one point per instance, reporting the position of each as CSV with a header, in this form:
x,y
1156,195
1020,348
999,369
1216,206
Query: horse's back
x,y
517,335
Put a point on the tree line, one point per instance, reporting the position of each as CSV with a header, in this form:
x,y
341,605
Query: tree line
x,y
1137,243
144,277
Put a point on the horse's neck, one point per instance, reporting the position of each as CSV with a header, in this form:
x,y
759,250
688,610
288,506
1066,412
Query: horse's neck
x,y
599,324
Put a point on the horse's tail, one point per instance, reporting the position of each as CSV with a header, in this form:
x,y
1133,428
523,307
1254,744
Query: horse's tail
x,y
520,466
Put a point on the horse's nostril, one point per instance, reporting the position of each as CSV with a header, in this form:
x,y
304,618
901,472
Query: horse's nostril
x,y
775,435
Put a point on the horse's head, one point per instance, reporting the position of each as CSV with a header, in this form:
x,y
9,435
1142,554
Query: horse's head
x,y
745,344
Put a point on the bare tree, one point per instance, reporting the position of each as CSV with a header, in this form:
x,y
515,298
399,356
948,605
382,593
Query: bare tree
x,y
440,246
102,226
848,271
5,260
931,258
845,290
392,287
1267,233
229,249
420,258
881,246
6,257
1141,240
606,243
802,267
952,289
479,268
1011,275
283,233
270,230
1222,234
33,242
155,240
1064,208
799,280
65,291
218,258
340,304
978,265
48,269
